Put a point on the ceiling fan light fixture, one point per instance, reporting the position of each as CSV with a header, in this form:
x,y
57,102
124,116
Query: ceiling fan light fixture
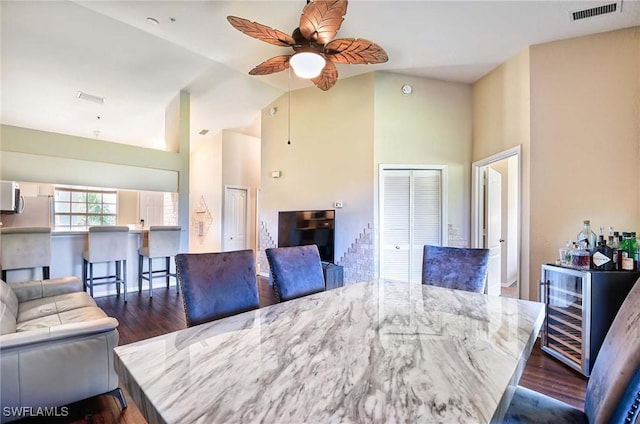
x,y
307,65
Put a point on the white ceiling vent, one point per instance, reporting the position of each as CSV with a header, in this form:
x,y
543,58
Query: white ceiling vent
x,y
90,98
615,6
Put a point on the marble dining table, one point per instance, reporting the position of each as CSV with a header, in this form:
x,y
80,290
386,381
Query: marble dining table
x,y
376,351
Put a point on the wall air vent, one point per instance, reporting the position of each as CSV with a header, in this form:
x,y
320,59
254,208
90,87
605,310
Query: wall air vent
x,y
577,15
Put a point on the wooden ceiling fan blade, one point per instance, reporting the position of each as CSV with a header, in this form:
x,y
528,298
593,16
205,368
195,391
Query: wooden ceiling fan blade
x,y
261,32
355,51
327,78
271,66
321,20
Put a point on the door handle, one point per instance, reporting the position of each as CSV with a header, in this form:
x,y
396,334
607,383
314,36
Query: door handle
x,y
397,247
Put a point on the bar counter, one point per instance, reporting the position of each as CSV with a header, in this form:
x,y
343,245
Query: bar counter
x,y
66,260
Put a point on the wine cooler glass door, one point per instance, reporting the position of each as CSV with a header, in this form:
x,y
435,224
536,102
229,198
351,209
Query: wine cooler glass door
x,y
564,328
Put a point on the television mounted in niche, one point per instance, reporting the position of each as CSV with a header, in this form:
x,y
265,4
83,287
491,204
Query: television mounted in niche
x,y
300,228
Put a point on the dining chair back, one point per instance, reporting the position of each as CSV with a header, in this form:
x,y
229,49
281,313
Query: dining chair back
x,y
217,285
25,248
455,267
613,390
296,271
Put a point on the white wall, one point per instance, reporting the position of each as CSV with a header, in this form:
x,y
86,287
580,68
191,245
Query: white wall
x,y
241,168
45,157
206,195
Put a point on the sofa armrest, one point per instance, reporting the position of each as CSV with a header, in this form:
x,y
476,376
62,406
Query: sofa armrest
x,y
58,332
37,289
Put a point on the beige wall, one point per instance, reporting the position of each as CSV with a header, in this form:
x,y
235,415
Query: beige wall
x,y
338,139
501,120
432,126
330,157
585,138
128,207
574,106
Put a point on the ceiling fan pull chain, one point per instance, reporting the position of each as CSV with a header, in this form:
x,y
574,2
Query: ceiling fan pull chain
x,y
289,111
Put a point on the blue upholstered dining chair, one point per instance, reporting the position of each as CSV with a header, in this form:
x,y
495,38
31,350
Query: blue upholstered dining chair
x,y
217,285
455,267
613,391
296,271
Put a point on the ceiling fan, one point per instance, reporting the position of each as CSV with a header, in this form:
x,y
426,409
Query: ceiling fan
x,y
315,51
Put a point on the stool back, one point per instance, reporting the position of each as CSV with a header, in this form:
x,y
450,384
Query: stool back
x,y
107,243
25,247
164,241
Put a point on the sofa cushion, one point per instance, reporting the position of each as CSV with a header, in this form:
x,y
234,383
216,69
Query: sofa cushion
x,y
39,308
84,314
7,320
9,298
8,309
36,289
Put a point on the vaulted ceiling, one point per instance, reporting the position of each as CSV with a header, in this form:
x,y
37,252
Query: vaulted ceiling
x,y
51,50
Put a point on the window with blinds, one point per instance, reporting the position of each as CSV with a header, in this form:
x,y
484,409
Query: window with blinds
x,y
78,209
412,214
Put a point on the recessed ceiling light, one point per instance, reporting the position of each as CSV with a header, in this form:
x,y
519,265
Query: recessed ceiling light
x,y
203,131
90,97
153,21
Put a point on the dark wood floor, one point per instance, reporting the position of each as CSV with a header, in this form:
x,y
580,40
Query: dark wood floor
x,y
143,317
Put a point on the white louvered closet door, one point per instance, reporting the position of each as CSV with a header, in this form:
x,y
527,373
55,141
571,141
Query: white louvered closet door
x,y
396,233
411,217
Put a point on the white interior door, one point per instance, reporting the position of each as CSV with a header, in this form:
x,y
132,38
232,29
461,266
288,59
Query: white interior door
x,y
493,239
411,215
152,208
235,219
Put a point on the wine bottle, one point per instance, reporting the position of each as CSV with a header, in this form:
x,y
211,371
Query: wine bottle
x,y
602,258
587,236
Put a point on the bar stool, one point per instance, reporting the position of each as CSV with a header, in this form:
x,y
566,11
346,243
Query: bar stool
x,y
161,242
107,243
25,248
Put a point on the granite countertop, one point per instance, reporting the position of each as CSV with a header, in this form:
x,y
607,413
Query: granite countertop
x,y
84,232
374,351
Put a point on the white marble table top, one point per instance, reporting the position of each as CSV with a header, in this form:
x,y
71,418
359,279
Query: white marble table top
x,y
367,352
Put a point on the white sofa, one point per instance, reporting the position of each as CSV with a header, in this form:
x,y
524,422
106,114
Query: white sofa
x,y
56,347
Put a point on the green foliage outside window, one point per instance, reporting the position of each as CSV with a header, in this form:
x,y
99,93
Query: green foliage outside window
x,y
78,209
